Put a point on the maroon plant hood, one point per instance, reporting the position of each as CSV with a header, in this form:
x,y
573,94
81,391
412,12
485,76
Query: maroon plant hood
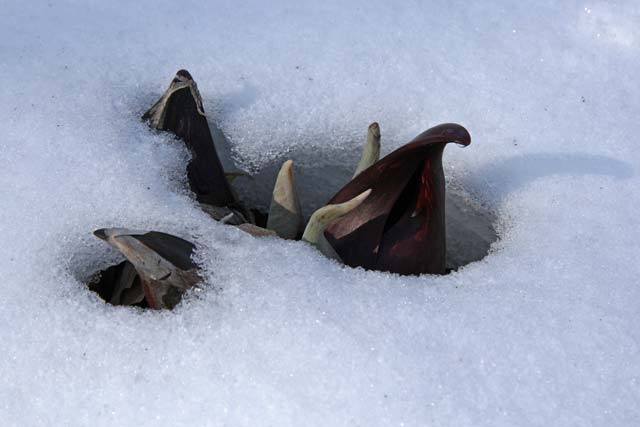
x,y
400,227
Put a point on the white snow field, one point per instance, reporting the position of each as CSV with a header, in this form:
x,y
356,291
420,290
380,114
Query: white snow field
x,y
544,331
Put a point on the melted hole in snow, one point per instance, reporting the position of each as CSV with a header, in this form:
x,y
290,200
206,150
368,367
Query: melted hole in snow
x,y
104,271
320,172
118,284
470,230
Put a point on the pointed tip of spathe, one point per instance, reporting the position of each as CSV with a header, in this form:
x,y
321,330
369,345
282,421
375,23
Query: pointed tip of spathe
x,y
101,233
460,135
184,73
440,135
374,128
454,133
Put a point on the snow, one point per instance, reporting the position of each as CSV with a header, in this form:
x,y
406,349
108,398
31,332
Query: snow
x,y
543,331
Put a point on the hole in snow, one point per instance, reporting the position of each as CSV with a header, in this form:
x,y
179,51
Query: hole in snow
x,y
118,284
321,172
157,273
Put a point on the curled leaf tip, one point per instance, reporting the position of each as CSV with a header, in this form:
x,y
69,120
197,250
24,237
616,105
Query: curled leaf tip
x,y
322,217
371,150
285,214
446,132
374,129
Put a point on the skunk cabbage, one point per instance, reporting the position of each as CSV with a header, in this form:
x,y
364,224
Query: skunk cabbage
x,y
180,111
162,261
400,227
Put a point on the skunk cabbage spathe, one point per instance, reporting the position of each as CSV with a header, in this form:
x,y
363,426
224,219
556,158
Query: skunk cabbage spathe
x,y
400,226
162,262
180,111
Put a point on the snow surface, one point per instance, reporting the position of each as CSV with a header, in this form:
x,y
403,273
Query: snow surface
x,y
543,331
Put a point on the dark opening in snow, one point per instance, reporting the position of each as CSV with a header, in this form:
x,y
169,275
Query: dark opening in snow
x,y
319,173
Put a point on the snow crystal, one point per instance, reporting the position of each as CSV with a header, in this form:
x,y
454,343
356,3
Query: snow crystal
x,y
543,331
